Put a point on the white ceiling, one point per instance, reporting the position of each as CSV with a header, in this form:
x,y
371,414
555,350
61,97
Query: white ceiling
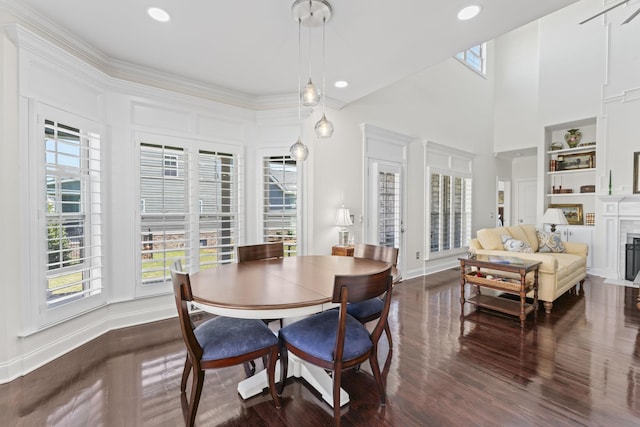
x,y
251,47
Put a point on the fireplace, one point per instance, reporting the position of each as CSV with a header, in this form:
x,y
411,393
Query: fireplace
x,y
620,225
632,258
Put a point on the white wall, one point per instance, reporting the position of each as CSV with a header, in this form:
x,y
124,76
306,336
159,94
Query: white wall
x,y
448,104
582,71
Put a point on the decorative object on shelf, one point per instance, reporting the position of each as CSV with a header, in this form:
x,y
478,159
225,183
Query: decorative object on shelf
x,y
610,177
589,218
573,213
561,190
573,137
636,178
586,144
587,188
553,164
343,219
556,146
578,161
554,216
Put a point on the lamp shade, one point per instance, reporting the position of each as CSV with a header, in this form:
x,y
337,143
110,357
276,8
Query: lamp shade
x,y
554,216
343,218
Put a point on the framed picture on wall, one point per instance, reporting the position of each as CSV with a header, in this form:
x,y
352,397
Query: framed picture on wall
x,y
573,213
636,178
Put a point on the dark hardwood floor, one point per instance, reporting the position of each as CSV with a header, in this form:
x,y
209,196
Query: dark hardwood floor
x,y
580,366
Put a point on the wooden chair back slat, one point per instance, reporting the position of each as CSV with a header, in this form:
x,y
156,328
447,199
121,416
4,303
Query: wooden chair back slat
x,y
260,251
377,253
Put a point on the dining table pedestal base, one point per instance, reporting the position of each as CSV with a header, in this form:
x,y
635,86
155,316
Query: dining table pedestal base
x,y
317,377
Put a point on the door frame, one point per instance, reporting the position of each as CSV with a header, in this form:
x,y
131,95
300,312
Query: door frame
x,y
388,147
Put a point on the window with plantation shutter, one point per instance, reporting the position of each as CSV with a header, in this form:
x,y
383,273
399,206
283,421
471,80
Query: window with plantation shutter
x,y
280,207
73,213
189,208
218,208
450,215
164,227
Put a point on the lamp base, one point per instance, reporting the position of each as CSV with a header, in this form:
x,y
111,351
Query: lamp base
x,y
553,228
343,238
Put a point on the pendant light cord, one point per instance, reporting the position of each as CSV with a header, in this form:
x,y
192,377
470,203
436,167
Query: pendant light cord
x,y
299,82
324,85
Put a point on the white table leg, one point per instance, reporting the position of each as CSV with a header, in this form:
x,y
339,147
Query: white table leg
x,y
315,376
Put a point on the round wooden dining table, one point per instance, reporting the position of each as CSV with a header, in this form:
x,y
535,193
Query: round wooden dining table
x,y
278,288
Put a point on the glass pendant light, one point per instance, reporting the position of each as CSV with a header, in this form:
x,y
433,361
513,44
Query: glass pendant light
x,y
324,128
310,95
298,151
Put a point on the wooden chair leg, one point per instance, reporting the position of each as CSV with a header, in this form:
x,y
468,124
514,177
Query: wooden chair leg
x,y
196,390
271,374
375,368
185,374
337,376
387,331
284,366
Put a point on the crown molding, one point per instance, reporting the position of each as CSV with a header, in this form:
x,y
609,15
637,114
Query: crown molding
x,y
42,27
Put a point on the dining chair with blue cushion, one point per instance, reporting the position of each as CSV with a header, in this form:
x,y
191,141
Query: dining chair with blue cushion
x,y
218,343
366,311
333,339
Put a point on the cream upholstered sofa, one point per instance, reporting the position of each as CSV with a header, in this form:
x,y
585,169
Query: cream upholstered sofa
x,y
558,272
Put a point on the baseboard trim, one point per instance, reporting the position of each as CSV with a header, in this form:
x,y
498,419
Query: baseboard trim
x,y
93,325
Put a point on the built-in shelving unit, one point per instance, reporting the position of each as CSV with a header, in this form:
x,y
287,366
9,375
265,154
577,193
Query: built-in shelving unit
x,y
571,172
570,179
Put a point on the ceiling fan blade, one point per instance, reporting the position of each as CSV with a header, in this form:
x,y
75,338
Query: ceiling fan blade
x,y
605,11
633,15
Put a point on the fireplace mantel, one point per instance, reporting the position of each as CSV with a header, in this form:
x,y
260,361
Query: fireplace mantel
x,y
620,216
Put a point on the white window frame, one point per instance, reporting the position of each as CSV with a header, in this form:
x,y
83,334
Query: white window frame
x,y
471,59
194,206
444,160
38,314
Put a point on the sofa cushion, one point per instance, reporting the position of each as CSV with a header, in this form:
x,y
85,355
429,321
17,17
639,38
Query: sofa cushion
x,y
490,238
532,237
515,245
549,242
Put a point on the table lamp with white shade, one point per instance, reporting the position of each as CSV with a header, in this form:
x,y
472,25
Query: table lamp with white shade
x,y
343,219
554,216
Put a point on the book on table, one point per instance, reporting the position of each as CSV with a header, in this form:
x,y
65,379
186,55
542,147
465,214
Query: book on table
x,y
505,260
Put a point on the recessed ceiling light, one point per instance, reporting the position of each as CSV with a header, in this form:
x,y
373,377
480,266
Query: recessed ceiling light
x,y
469,12
158,14
341,84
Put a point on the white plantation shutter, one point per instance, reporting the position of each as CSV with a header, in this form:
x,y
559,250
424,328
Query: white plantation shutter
x,y
73,213
389,221
164,230
280,202
189,208
218,200
451,210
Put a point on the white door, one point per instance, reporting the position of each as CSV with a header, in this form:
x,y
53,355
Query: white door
x,y
526,206
385,159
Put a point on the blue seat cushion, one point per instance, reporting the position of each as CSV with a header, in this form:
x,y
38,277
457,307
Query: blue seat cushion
x,y
366,308
317,334
223,337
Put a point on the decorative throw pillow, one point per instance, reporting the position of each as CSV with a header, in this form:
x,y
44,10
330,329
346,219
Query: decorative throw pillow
x,y
549,242
513,245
